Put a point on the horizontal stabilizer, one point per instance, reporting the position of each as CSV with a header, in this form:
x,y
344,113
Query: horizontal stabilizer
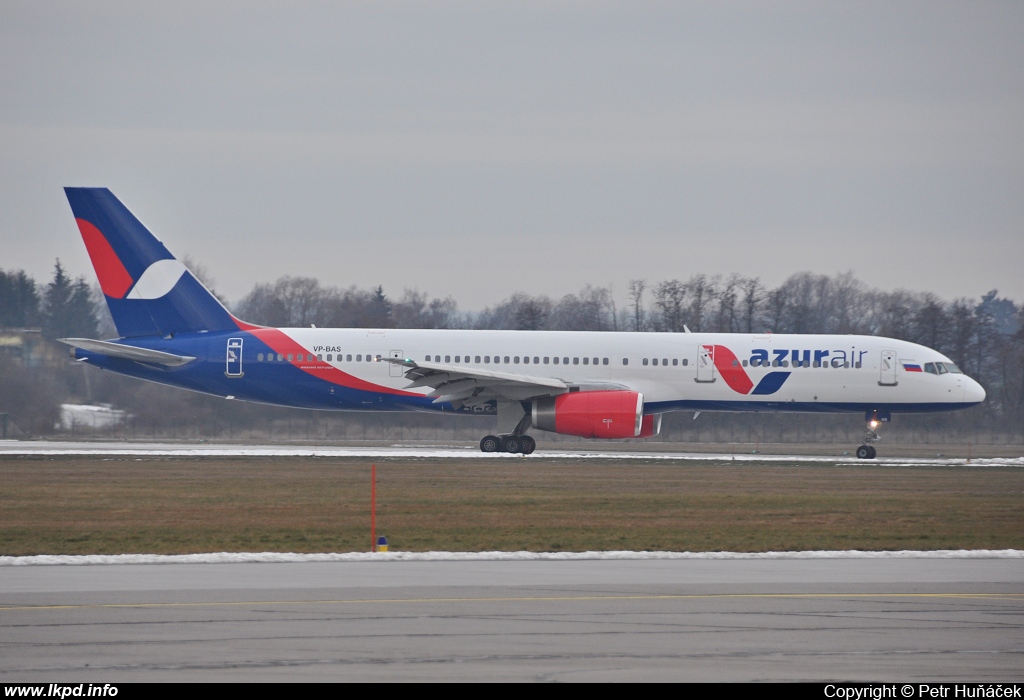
x,y
127,352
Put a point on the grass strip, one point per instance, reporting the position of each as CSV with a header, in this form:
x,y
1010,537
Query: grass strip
x,y
73,505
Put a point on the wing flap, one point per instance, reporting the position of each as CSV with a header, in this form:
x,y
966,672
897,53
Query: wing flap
x,y
455,379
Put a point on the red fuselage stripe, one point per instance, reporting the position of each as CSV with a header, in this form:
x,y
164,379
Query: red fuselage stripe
x,y
280,343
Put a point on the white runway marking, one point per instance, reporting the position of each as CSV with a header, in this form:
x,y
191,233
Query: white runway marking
x,y
142,449
289,557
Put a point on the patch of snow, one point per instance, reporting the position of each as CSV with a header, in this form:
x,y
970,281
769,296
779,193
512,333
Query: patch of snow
x,y
78,416
289,557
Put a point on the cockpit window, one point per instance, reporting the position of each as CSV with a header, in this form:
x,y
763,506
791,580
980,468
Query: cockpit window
x,y
952,368
929,367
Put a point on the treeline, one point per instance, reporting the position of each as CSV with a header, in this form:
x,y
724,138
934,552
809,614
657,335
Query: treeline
x,y
64,308
984,336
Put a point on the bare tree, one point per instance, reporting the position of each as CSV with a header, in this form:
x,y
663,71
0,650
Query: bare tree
x,y
636,294
753,295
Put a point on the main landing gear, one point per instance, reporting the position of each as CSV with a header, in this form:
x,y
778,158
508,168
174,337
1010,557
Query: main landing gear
x,y
523,444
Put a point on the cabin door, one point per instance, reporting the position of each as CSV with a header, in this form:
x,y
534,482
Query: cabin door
x,y
887,376
234,358
706,363
393,369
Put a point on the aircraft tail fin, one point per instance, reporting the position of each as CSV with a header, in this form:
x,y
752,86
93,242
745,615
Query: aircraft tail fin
x,y
149,292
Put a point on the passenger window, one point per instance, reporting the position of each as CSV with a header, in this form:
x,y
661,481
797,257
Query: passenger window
x,y
575,360
685,362
348,358
545,360
320,357
359,358
536,360
655,362
437,358
625,361
526,359
556,360
586,360
290,357
487,359
604,361
645,362
744,363
515,360
477,360
675,362
735,363
259,357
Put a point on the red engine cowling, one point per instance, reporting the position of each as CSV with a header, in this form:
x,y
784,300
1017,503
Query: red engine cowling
x,y
591,414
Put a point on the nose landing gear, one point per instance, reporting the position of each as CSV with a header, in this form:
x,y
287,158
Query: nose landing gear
x,y
865,452
874,419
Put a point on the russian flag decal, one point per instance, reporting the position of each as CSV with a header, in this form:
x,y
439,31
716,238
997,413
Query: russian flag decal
x,y
911,367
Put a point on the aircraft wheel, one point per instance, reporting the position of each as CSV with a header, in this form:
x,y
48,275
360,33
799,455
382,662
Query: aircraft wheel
x,y
489,444
865,452
872,448
510,443
527,445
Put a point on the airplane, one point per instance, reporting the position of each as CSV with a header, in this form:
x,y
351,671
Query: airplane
x,y
604,385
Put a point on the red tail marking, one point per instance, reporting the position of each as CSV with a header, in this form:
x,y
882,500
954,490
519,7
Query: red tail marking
x,y
283,345
243,326
114,279
730,370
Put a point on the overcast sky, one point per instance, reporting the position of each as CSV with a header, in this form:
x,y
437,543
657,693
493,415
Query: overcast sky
x,y
477,149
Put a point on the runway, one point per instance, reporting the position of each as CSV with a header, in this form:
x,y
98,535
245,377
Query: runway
x,y
413,452
784,619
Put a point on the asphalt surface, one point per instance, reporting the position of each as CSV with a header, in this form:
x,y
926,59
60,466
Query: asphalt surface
x,y
899,620
921,455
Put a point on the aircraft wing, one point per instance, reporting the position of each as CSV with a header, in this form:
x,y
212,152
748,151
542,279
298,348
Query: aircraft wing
x,y
468,385
126,352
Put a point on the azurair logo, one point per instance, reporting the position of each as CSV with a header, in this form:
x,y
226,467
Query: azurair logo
x,y
730,369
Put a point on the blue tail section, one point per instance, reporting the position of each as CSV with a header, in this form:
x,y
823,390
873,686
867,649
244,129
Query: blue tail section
x,y
148,290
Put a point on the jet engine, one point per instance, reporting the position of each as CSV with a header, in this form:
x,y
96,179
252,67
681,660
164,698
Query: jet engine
x,y
592,414
651,425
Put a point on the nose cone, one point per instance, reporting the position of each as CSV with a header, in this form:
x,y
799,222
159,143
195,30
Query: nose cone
x,y
973,392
